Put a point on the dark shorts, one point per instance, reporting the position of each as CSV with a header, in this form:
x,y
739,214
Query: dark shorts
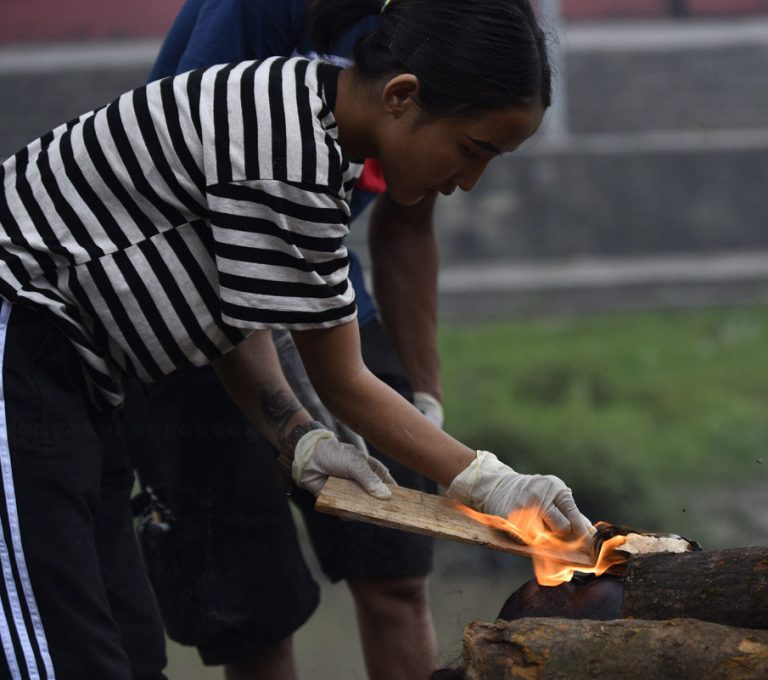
x,y
244,583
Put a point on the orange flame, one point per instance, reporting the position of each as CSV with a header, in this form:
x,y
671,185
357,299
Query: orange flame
x,y
551,563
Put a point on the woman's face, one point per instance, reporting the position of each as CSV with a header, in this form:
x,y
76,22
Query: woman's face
x,y
421,155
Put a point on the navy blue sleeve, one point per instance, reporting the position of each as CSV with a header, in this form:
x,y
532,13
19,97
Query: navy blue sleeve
x,y
177,41
227,31
208,32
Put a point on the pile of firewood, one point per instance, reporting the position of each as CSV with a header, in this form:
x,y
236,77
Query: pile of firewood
x,y
688,615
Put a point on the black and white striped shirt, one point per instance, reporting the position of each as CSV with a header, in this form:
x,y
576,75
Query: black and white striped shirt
x,y
158,231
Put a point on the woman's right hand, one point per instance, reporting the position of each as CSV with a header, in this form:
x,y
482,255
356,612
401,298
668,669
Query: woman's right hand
x,y
490,486
319,455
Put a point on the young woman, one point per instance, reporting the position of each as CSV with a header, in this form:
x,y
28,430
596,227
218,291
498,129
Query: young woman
x,y
244,603
179,225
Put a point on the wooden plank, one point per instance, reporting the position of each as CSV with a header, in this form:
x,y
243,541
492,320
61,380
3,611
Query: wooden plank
x,y
425,513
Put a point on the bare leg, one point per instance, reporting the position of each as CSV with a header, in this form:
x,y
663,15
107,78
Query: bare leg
x,y
395,627
271,663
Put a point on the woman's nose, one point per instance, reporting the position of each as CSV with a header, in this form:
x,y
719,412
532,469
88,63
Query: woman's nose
x,y
467,179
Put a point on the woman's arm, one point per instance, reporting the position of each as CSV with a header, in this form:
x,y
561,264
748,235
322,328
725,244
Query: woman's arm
x,y
333,362
374,410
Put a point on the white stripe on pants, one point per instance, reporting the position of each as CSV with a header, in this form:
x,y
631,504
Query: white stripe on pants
x,y
14,597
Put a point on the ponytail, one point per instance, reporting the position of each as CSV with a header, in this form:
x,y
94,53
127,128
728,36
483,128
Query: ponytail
x,y
469,55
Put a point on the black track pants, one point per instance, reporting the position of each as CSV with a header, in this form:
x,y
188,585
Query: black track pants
x,y
75,602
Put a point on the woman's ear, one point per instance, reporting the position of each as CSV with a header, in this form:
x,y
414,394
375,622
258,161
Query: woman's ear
x,y
400,94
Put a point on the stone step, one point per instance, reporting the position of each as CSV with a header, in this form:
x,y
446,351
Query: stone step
x,y
599,285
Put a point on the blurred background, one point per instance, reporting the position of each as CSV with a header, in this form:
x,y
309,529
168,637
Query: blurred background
x,y
603,291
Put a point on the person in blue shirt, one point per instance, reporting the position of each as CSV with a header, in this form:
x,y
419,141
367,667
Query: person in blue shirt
x,y
243,587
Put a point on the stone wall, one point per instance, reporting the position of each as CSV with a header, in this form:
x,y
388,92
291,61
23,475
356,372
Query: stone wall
x,y
34,103
667,153
658,77
591,198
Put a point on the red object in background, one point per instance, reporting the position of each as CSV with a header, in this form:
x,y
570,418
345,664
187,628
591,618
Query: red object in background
x,y
372,179
595,9
25,21
731,6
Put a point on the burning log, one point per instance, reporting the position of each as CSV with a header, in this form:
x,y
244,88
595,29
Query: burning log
x,y
688,596
664,577
724,586
555,648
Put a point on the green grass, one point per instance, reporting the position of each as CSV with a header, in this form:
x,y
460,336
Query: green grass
x,y
629,409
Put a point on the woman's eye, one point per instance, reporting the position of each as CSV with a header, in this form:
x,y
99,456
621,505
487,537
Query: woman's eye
x,y
471,154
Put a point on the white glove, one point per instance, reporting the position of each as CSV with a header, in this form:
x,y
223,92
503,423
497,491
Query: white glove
x,y
319,455
490,486
430,407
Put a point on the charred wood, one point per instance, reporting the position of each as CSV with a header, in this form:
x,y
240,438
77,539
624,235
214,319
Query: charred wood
x,y
725,586
598,599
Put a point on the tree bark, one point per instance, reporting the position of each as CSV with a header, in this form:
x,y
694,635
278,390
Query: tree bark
x,y
722,586
562,649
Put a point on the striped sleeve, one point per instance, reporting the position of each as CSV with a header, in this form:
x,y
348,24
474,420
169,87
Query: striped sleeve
x,y
280,255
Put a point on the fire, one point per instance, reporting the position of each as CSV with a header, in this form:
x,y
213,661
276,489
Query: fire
x,y
551,565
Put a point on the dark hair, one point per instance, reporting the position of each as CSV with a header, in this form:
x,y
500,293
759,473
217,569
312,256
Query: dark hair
x,y
469,55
